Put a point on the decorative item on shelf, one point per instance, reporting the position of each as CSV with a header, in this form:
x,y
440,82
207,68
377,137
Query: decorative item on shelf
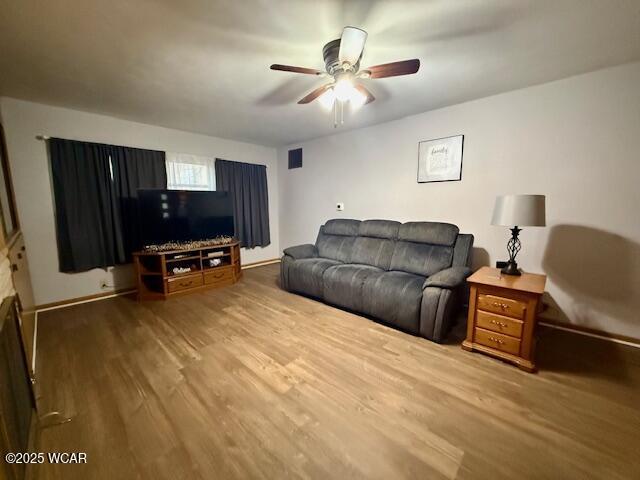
x,y
215,262
170,246
440,160
180,270
515,211
219,253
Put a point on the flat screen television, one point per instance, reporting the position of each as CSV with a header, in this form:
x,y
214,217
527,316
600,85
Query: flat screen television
x,y
183,215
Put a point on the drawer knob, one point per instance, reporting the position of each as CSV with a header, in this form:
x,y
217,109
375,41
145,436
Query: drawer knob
x,y
500,324
503,306
497,340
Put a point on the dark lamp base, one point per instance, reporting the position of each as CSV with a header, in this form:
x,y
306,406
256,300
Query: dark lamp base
x,y
511,269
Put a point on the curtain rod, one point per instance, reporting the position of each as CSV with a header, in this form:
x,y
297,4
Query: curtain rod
x,y
246,163
47,137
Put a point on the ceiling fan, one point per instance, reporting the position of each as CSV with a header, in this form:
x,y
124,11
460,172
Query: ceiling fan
x,y
342,62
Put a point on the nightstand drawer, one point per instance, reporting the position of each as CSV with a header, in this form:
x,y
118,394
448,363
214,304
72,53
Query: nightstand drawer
x,y
498,341
501,305
499,323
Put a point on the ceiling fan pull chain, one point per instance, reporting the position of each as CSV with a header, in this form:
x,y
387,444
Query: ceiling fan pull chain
x,y
335,114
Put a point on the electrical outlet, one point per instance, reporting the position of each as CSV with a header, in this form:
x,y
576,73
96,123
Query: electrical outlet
x,y
340,207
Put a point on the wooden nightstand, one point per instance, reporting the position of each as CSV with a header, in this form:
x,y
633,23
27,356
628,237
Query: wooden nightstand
x,y
502,315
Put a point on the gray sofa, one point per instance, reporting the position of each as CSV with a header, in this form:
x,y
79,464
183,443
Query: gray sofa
x,y
411,276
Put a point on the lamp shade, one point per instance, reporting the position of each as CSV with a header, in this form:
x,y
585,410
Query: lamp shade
x,y
519,210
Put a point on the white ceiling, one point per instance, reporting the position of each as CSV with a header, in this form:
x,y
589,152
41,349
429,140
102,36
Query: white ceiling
x,y
203,66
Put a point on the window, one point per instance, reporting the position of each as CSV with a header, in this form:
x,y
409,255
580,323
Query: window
x,y
190,172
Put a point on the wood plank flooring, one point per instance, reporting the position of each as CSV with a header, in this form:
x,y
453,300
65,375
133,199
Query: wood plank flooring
x,y
250,381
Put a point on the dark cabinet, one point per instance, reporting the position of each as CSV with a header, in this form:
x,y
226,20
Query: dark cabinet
x,y
17,402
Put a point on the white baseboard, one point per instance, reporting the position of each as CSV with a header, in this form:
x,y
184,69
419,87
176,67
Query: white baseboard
x,y
590,334
260,264
87,300
35,344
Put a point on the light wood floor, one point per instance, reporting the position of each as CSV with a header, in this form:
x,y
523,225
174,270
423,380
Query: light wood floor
x,y
253,382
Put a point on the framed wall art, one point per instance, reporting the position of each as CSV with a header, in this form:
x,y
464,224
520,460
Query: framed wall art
x,y
440,160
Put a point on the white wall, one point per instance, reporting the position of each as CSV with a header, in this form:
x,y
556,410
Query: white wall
x,y
30,171
576,140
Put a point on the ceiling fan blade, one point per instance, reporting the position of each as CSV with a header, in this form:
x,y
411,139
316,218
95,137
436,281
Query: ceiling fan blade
x,y
394,69
314,94
363,90
351,45
289,68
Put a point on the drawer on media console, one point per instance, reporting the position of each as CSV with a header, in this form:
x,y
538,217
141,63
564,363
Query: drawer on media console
x,y
218,275
184,283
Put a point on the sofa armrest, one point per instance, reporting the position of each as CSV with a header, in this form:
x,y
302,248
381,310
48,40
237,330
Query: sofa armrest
x,y
302,251
448,278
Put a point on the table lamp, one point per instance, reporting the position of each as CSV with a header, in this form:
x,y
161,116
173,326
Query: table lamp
x,y
517,211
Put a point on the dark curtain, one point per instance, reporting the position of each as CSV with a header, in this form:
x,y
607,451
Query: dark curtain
x,y
86,209
247,184
134,168
95,211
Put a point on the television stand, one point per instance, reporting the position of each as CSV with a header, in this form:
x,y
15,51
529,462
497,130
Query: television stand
x,y
161,275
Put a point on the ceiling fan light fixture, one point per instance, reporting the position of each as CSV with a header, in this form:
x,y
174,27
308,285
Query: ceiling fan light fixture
x,y
344,89
357,98
351,45
342,65
327,99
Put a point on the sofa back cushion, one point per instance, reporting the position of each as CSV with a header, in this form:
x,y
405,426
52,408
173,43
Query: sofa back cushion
x,y
433,233
424,248
342,227
375,243
336,238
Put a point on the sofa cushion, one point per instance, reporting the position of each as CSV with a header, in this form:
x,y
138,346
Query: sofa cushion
x,y
336,238
451,277
376,252
299,252
341,226
379,229
420,258
433,233
305,276
375,243
394,297
424,248
343,284
335,247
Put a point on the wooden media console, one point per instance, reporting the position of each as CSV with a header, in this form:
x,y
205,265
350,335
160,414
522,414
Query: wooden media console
x,y
161,275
